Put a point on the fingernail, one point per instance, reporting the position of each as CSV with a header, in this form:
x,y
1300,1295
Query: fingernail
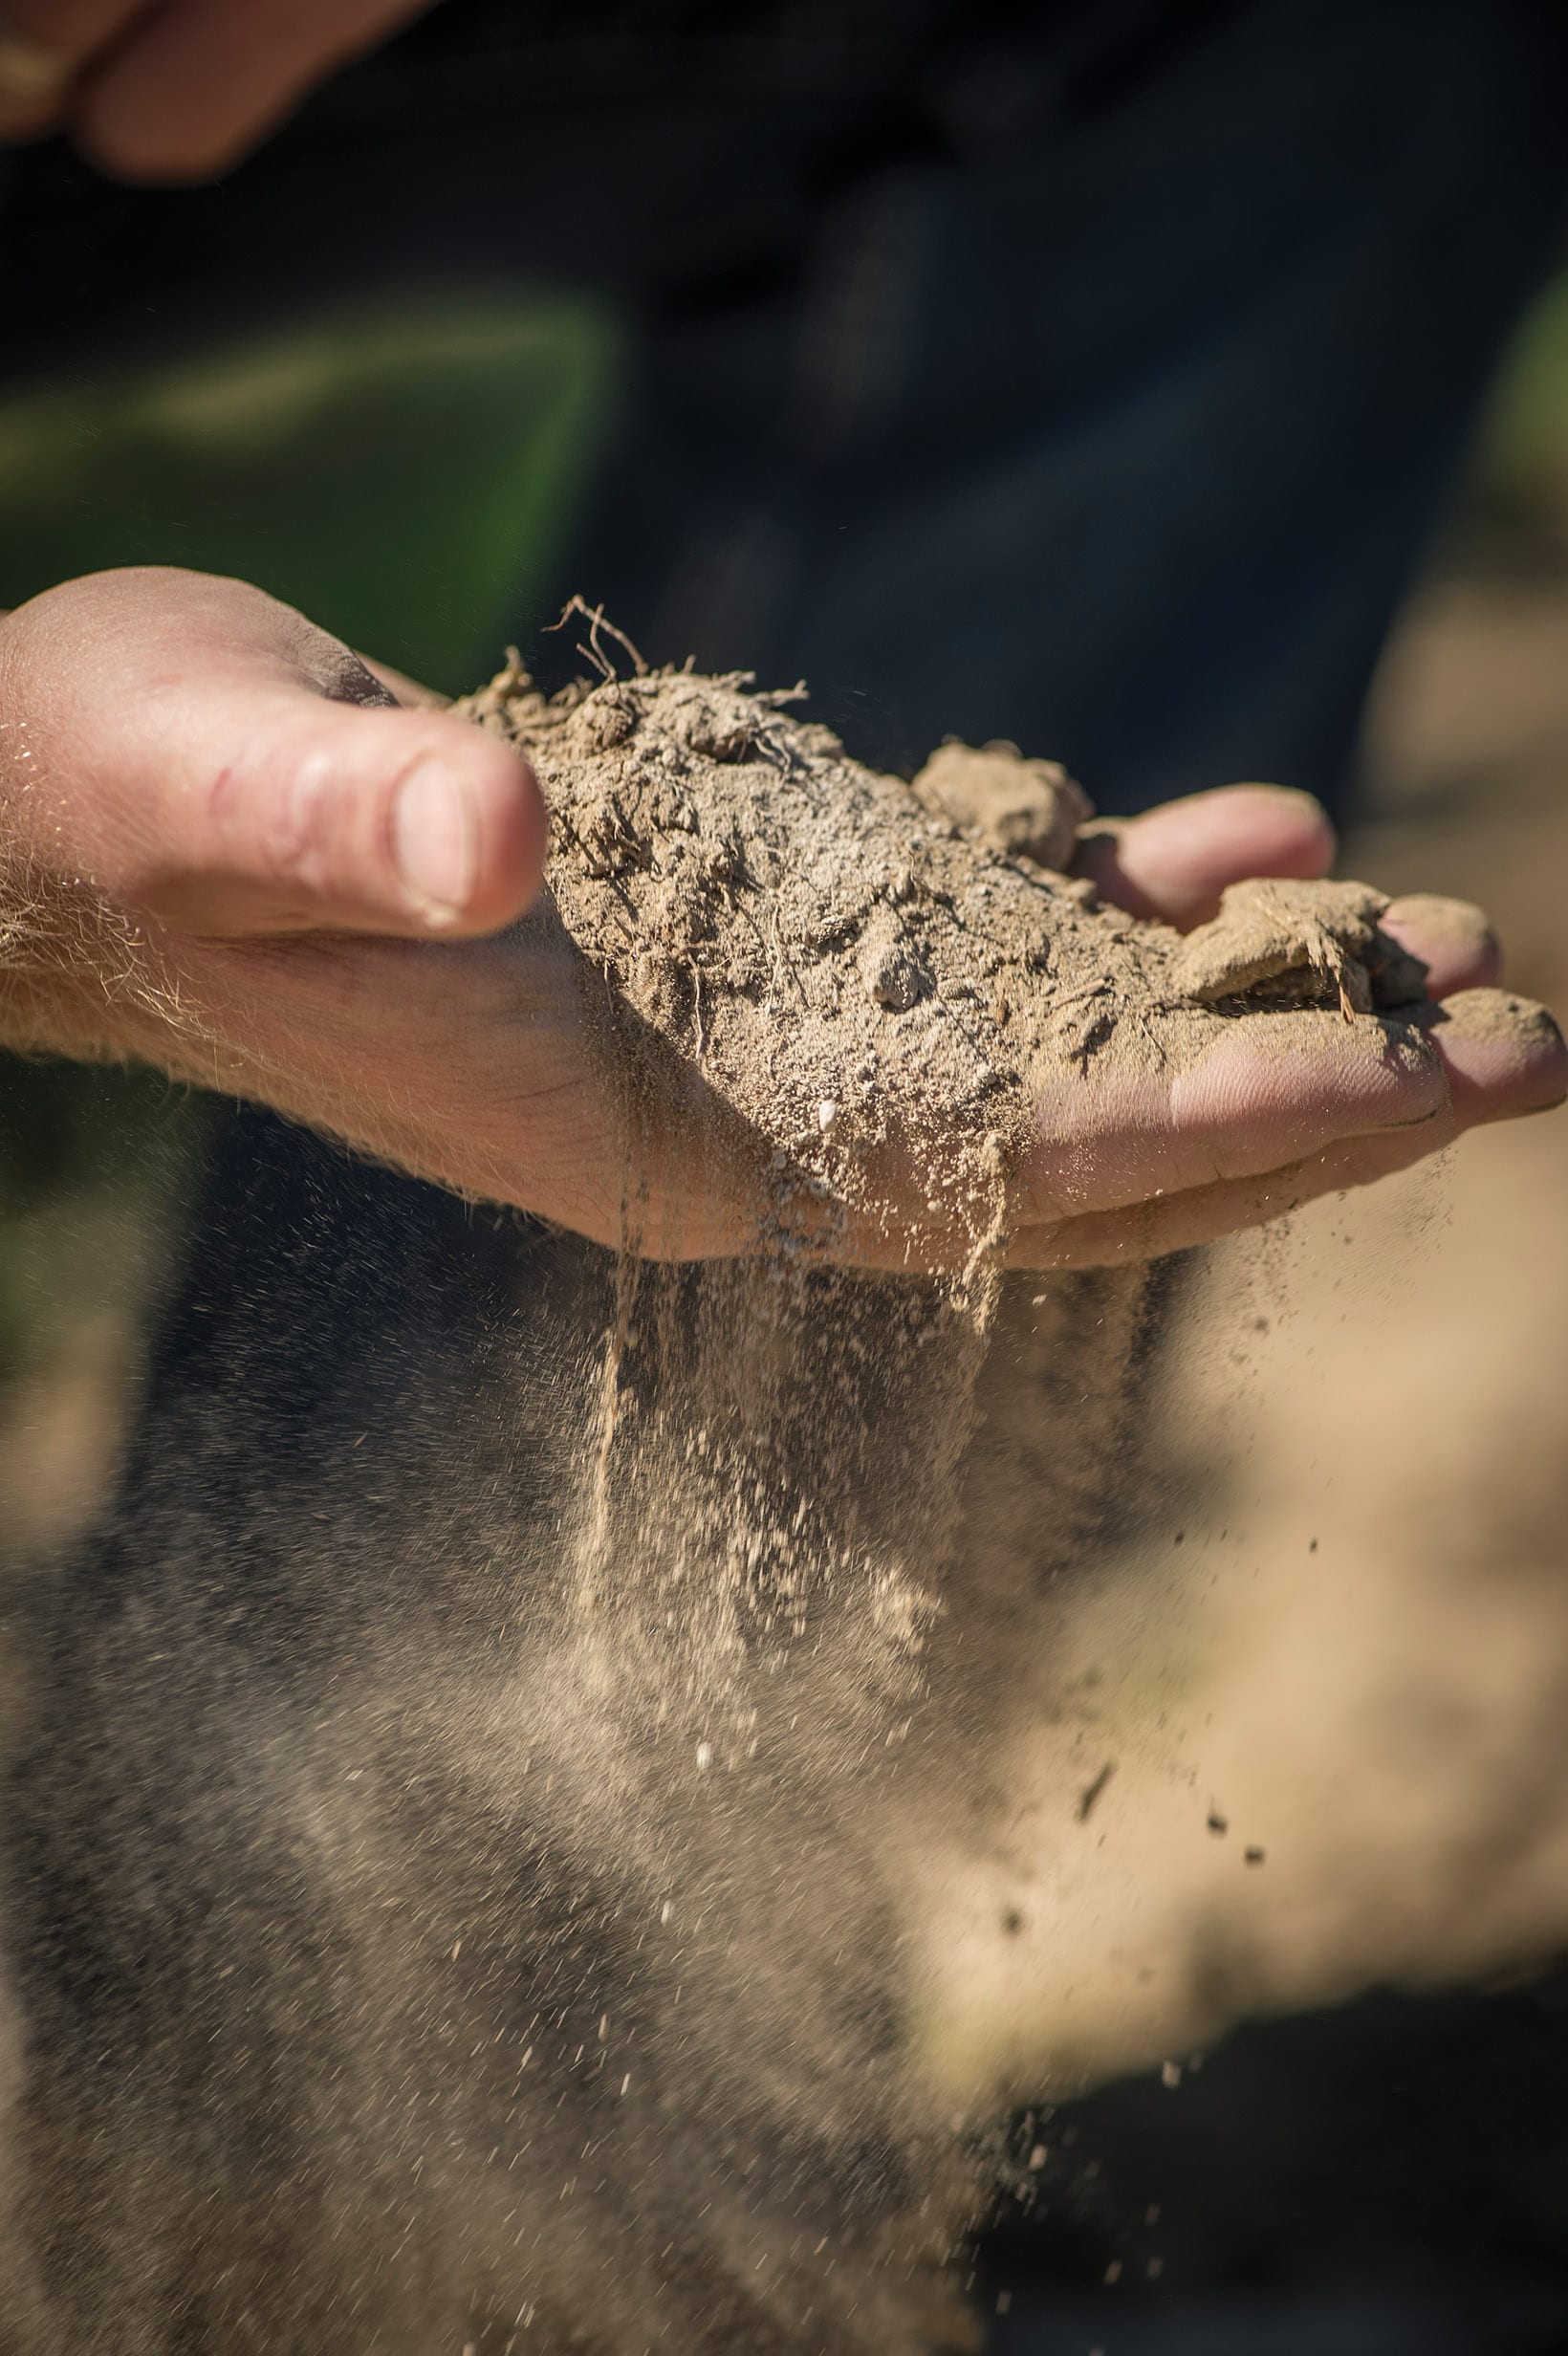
x,y
434,843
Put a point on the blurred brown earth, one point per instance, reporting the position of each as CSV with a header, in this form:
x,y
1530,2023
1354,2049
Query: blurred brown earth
x,y
1343,1642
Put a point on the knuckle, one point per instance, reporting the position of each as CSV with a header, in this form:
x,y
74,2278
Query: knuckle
x,y
280,814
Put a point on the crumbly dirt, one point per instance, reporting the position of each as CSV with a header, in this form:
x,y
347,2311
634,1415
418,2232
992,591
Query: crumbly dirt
x,y
870,971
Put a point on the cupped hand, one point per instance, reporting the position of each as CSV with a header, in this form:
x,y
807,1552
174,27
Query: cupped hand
x,y
1284,1107
226,849
175,90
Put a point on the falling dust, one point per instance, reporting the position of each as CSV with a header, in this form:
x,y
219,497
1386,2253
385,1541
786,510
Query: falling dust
x,y
821,1508
856,985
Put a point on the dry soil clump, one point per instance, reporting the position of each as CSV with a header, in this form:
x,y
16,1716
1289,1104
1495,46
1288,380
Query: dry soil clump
x,y
876,975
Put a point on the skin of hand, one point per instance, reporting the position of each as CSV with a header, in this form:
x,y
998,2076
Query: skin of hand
x,y
175,90
228,850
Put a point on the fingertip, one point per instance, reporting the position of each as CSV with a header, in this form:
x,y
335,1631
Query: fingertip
x,y
1505,1057
514,831
120,151
132,130
1174,862
466,832
1291,828
346,817
1453,938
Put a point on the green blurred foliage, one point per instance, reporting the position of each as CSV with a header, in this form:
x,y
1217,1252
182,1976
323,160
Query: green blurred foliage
x,y
403,476
1520,477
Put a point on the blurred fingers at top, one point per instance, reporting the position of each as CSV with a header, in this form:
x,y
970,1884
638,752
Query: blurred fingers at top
x,y
175,90
46,47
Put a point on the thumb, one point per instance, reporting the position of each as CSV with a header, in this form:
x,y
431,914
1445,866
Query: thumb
x,y
205,756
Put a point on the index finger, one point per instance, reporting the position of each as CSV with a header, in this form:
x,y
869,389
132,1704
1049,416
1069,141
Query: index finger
x,y
1267,1090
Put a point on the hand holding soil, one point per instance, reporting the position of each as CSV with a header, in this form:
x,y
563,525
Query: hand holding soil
x,y
900,1024
769,994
